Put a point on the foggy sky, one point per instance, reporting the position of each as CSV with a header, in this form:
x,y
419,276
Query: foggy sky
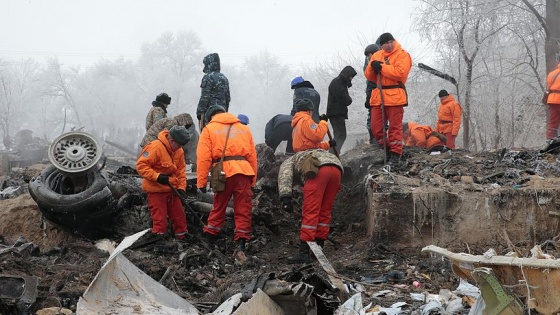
x,y
83,32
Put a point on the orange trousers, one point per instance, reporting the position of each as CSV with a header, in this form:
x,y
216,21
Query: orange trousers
x,y
394,115
318,199
238,186
163,205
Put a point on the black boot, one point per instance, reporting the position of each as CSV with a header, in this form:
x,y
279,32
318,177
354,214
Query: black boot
x,y
320,242
394,159
241,245
302,257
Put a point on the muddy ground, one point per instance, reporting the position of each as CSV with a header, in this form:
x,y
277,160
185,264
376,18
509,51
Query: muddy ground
x,y
66,263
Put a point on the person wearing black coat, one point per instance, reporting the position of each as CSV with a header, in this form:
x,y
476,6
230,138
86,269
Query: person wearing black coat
x,y
279,129
304,89
337,104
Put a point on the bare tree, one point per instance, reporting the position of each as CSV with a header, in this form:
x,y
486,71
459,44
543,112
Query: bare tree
x,y
16,92
58,84
464,25
550,23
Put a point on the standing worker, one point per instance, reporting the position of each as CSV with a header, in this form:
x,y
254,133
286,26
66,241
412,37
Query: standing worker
x,y
337,104
307,134
553,101
161,164
320,188
278,129
449,118
214,88
225,137
304,89
158,110
391,65
370,86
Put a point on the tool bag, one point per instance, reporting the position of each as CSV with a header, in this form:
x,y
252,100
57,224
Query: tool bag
x,y
310,166
217,174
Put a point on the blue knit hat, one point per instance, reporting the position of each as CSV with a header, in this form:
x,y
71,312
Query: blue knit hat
x,y
243,119
296,81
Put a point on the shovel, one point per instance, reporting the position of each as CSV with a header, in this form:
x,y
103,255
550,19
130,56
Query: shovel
x,y
347,173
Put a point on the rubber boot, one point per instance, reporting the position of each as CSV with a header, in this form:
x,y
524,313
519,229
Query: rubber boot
x,y
241,245
302,257
394,159
320,242
239,253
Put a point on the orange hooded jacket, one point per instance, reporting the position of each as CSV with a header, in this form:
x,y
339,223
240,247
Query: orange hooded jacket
x,y
240,145
419,136
157,158
307,134
394,69
553,85
449,116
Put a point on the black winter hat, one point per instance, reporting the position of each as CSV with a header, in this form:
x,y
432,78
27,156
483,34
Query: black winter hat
x,y
384,38
443,93
180,134
213,110
304,105
163,98
371,49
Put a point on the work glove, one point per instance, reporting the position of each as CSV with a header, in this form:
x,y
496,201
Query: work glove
x,y
199,117
182,193
376,66
332,143
324,117
163,179
203,190
287,204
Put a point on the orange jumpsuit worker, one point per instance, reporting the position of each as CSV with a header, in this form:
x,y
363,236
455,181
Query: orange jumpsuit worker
x,y
393,64
449,118
162,162
306,133
420,136
239,165
319,193
553,101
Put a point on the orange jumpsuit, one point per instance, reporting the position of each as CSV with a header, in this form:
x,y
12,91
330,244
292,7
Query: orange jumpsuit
x,y
553,102
419,136
396,66
158,158
240,166
449,120
307,134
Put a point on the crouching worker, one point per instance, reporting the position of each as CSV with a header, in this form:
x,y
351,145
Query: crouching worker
x,y
227,142
320,172
161,164
423,136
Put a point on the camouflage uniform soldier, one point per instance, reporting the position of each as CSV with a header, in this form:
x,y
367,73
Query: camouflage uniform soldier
x,y
158,110
215,88
179,120
320,186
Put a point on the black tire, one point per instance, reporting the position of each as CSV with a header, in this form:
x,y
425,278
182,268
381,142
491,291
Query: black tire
x,y
41,190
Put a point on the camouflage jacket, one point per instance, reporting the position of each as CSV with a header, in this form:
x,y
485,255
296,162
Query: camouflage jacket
x,y
156,113
290,169
165,124
214,86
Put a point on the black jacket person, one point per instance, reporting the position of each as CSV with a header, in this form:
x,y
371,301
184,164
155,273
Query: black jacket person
x,y
338,102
